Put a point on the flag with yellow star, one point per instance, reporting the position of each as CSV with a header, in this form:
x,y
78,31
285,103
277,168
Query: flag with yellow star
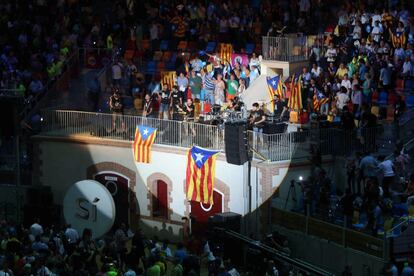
x,y
144,138
200,174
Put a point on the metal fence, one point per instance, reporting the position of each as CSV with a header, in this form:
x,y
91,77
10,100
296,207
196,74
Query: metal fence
x,y
102,125
289,48
307,143
70,65
274,147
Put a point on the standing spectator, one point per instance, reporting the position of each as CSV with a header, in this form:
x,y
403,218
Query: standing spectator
x,y
386,168
165,102
121,238
195,84
385,76
368,167
36,229
342,98
219,90
232,87
331,53
182,83
366,89
117,68
356,97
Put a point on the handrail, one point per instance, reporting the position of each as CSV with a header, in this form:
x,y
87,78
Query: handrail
x,y
306,267
51,83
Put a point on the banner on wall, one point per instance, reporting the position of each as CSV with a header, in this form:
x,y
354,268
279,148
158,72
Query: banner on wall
x,y
243,59
144,138
200,174
88,204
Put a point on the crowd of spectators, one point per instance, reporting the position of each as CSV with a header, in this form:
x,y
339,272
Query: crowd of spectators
x,y
378,194
48,250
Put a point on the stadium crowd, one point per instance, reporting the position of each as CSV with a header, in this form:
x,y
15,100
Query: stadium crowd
x,y
47,250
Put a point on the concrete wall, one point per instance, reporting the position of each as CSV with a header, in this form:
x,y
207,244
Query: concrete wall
x,y
330,256
272,67
64,161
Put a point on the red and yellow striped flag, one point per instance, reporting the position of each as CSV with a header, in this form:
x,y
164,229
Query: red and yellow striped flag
x,y
200,174
169,78
144,138
318,100
295,99
225,51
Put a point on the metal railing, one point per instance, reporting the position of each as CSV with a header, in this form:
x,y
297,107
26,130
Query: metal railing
x,y
338,234
287,48
52,85
329,141
274,147
174,133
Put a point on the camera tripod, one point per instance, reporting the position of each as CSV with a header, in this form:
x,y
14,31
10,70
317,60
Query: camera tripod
x,y
291,192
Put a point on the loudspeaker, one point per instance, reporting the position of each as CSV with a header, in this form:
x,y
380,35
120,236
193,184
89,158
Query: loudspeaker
x,y
226,220
236,143
274,128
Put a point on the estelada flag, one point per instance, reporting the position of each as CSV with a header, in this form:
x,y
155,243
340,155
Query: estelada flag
x,y
295,99
144,138
200,174
319,99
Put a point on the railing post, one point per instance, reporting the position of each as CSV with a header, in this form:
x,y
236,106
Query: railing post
x,y
344,231
307,218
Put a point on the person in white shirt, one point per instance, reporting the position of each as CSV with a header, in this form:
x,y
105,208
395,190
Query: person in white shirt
x,y
342,98
376,32
346,83
316,71
331,53
117,72
407,68
36,229
376,17
71,234
356,33
386,168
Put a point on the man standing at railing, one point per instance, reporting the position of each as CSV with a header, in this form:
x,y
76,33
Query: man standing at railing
x,y
117,107
94,89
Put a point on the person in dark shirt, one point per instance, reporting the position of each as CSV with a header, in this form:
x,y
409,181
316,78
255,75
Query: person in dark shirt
x,y
189,109
347,119
257,118
117,107
165,102
399,109
148,110
176,102
278,107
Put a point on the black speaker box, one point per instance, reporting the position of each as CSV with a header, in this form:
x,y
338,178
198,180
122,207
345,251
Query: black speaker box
x,y
274,128
236,143
227,220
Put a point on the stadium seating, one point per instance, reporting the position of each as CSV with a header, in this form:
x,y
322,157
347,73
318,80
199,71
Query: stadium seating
x,y
211,46
409,101
151,67
164,45
182,45
157,56
250,48
382,98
